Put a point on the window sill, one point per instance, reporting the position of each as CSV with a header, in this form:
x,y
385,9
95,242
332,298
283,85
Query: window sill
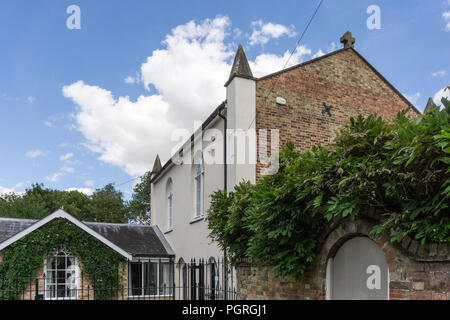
x,y
168,231
198,219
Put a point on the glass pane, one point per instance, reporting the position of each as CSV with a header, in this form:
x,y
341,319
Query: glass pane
x,y
61,262
136,279
61,291
165,279
50,277
50,291
197,196
150,278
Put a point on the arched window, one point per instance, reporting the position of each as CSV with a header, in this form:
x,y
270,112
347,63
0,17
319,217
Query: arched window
x,y
169,204
199,177
61,275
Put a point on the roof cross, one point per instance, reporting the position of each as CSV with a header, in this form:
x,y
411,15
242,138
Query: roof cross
x,y
348,40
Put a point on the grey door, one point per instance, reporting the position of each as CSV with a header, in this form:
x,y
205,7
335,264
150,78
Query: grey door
x,y
359,271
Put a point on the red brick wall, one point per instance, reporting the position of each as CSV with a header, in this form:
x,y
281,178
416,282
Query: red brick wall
x,y
416,272
343,80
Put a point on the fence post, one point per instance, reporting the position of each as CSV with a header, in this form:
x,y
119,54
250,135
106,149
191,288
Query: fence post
x,y
36,289
172,271
94,286
213,280
2,286
201,279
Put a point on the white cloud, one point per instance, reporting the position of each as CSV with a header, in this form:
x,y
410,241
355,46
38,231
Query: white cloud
x,y
267,63
55,177
263,32
66,156
129,80
413,98
318,54
185,78
67,169
86,191
443,93
31,99
89,183
333,46
439,73
4,190
49,124
446,16
35,154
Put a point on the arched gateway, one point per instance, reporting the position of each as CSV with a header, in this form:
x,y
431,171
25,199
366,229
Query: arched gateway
x,y
357,271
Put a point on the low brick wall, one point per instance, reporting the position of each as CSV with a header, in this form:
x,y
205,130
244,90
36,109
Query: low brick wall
x,y
415,272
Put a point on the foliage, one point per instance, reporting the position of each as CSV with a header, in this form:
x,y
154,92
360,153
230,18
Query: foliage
x,y
104,205
400,166
22,259
139,206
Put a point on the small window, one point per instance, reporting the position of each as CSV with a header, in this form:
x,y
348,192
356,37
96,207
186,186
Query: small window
x,y
61,276
169,205
150,278
199,177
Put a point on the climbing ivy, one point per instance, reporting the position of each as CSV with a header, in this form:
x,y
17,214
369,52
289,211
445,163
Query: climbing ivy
x,y
25,257
399,166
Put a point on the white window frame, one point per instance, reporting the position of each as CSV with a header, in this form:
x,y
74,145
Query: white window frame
x,y
170,205
157,295
67,254
199,178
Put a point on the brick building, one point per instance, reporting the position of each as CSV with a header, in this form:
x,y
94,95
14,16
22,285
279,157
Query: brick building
x,y
305,104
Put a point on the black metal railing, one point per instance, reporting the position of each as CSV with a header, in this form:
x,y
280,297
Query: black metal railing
x,y
202,279
205,279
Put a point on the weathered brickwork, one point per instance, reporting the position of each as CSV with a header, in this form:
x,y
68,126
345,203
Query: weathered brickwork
x,y
342,79
416,272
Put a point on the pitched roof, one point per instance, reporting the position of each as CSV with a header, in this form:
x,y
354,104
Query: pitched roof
x,y
128,240
10,227
138,240
241,67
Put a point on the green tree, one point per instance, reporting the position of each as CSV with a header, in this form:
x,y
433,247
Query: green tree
x,y
105,205
139,206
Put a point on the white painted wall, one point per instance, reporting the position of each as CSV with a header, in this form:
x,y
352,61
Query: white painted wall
x,y
189,238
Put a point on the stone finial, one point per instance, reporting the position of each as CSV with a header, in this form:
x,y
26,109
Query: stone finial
x,y
430,104
241,67
157,165
348,40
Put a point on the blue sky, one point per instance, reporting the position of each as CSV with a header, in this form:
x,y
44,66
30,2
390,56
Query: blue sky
x,y
70,119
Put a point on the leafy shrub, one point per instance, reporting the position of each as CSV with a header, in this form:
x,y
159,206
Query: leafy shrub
x,y
400,166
